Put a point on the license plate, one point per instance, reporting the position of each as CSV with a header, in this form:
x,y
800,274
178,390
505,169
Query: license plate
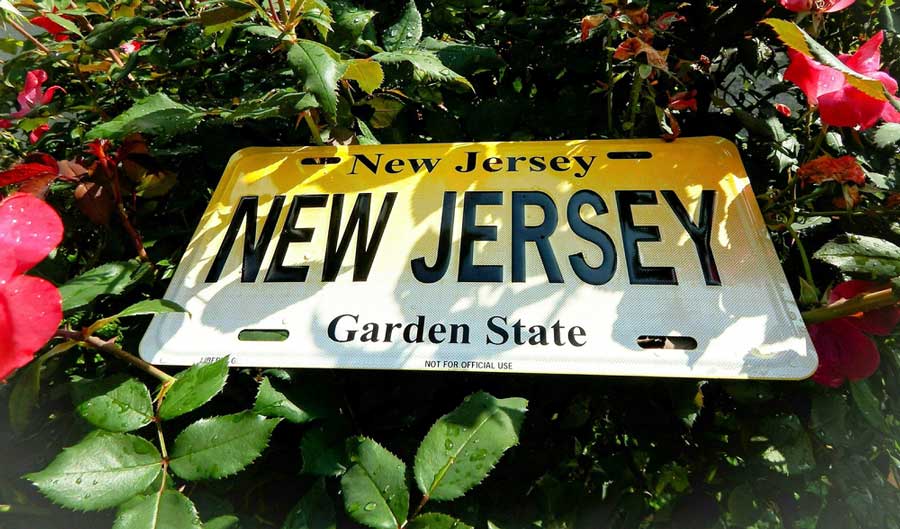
x,y
615,257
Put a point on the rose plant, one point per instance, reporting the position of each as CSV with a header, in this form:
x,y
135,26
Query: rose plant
x,y
122,115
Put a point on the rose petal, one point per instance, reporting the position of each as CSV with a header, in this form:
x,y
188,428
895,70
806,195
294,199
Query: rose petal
x,y
48,95
30,312
878,322
840,4
827,169
850,289
867,58
844,352
812,78
797,6
783,109
30,227
849,107
36,134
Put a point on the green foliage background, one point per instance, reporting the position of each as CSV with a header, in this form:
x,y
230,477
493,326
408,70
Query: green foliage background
x,y
593,451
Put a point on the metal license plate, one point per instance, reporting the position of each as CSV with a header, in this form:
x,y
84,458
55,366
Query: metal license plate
x,y
633,257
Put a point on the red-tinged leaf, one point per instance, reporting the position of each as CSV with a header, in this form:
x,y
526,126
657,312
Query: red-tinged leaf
x,y
635,46
37,186
25,171
95,201
30,227
71,171
590,22
667,19
844,352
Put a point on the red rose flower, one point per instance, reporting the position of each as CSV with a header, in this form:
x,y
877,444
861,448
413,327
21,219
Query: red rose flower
x,y
5,123
843,170
822,6
30,307
783,109
32,94
845,352
841,104
131,46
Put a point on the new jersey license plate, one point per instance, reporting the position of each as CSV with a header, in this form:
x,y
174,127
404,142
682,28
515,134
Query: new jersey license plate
x,y
633,257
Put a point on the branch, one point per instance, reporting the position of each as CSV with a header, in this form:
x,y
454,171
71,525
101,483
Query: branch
x,y
28,36
113,349
847,307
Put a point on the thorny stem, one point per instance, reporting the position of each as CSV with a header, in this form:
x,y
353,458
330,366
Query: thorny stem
x,y
135,236
28,36
855,305
420,507
115,350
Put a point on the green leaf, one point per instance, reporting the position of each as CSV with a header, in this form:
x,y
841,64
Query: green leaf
x,y
65,23
406,32
226,521
349,23
798,40
24,396
366,72
320,68
374,488
862,255
386,110
790,451
867,404
436,520
7,9
887,135
194,387
226,13
318,12
153,115
277,103
465,59
217,447
150,306
463,446
313,511
101,471
167,509
272,403
108,279
322,450
108,35
828,417
117,403
427,68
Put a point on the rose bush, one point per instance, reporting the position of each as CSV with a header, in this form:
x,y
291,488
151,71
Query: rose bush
x,y
122,115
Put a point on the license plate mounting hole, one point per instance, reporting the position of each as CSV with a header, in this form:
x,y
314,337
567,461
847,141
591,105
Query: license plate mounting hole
x,y
263,335
684,343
